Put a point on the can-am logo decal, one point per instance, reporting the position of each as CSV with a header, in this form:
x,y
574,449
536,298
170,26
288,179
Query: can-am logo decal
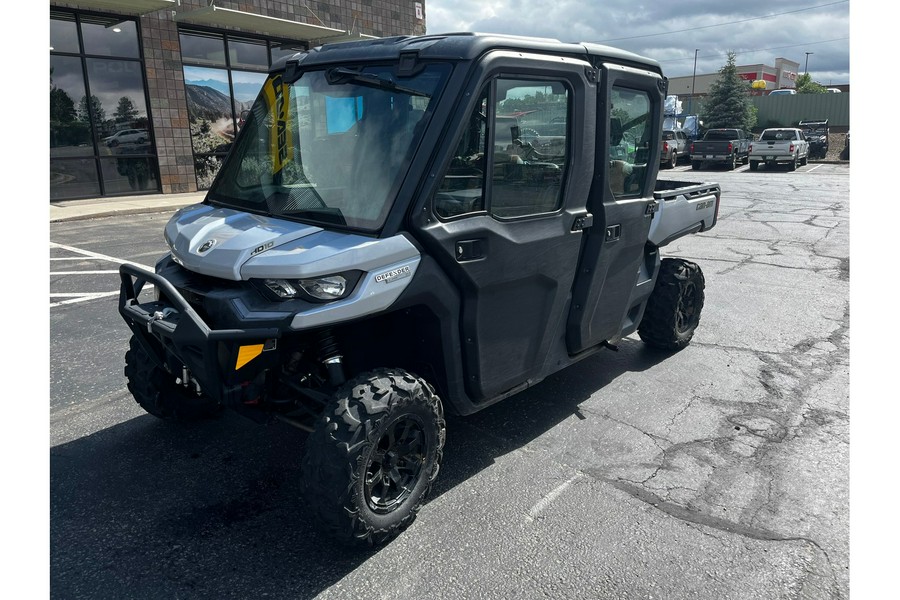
x,y
393,275
262,248
207,245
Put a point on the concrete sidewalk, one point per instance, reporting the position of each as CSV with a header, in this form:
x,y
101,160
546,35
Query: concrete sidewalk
x,y
73,210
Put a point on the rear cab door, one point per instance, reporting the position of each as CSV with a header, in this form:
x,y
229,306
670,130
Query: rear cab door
x,y
617,267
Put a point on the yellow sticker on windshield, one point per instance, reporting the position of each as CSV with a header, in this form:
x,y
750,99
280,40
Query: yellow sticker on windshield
x,y
281,144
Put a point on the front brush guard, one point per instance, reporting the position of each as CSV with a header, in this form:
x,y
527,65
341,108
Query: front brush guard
x,y
175,329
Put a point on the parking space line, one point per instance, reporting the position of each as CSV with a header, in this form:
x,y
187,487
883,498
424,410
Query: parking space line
x,y
96,255
76,297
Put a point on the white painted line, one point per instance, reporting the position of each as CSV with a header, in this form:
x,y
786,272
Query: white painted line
x,y
96,255
81,297
76,297
813,169
549,498
116,271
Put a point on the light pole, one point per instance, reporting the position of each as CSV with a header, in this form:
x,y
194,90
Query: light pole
x,y
693,78
806,68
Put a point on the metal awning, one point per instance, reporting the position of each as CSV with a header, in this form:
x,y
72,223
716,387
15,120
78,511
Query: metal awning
x,y
129,7
214,16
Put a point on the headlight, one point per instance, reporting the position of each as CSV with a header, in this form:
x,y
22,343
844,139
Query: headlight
x,y
316,289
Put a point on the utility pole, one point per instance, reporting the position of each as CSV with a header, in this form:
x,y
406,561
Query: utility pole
x,y
693,78
806,68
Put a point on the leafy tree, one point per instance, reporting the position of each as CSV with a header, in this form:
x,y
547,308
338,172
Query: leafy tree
x,y
126,111
62,107
805,85
728,103
85,107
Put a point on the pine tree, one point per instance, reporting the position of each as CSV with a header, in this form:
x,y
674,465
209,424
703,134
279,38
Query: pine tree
x,y
728,104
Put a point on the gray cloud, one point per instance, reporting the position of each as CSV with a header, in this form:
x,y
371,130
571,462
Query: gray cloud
x,y
670,32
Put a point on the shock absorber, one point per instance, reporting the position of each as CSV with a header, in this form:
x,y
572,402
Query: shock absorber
x,y
330,355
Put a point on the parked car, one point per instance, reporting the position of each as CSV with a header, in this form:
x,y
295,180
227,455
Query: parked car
x,y
816,133
674,147
779,146
833,90
784,92
721,146
127,136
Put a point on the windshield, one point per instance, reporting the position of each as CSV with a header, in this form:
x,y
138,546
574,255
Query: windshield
x,y
331,147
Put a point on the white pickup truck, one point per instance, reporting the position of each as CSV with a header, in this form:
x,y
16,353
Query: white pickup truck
x,y
779,145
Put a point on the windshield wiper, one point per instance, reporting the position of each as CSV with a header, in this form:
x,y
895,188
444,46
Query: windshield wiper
x,y
341,75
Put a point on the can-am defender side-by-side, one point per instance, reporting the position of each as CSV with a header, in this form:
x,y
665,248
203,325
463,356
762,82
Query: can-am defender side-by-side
x,y
406,226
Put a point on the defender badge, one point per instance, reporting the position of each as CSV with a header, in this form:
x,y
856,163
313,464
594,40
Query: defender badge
x,y
393,275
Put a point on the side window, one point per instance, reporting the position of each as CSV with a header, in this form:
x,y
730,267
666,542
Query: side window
x,y
530,143
629,141
462,187
519,136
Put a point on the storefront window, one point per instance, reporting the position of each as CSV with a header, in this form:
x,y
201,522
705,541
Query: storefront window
x,y
101,141
221,86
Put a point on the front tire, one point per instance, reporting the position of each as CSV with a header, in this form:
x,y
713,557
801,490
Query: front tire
x,y
673,309
159,393
373,456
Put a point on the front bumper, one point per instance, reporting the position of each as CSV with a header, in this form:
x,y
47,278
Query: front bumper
x,y
177,338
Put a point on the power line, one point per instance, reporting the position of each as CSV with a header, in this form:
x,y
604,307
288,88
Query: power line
x,y
736,52
769,16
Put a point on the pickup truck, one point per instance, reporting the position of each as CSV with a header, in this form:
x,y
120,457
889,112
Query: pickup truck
x,y
673,148
357,282
721,146
779,146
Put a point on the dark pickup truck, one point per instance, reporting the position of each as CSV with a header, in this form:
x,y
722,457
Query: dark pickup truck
x,y
721,146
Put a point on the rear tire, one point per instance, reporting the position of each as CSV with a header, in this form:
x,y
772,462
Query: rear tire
x,y
792,166
673,161
754,165
674,307
373,456
732,164
158,392
695,165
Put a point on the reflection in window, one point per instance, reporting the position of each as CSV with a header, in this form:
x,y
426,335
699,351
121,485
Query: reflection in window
x,y
202,49
70,123
117,99
123,175
629,143
63,33
462,187
110,36
245,53
73,178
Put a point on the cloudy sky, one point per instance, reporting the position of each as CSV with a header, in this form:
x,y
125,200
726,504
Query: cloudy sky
x,y
670,32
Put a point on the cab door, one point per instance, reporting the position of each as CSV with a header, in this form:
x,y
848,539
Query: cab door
x,y
508,215
616,267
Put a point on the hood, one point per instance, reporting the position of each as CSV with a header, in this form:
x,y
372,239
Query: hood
x,y
218,241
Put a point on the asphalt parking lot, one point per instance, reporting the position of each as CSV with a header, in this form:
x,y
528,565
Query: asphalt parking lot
x,y
721,471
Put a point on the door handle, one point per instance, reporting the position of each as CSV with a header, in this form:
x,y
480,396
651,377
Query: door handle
x,y
467,250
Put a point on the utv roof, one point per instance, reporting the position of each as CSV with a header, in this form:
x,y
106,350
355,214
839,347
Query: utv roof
x,y
464,46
